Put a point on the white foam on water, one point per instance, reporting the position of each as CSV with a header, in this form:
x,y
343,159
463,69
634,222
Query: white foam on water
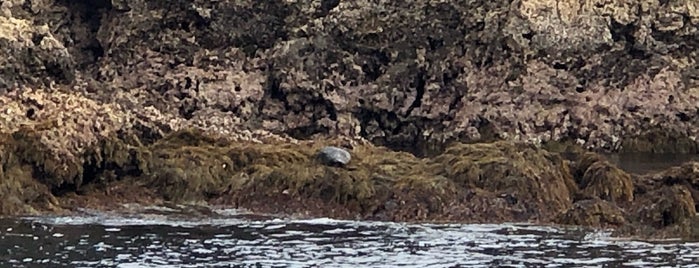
x,y
327,242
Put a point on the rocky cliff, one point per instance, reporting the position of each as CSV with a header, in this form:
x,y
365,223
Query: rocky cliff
x,y
99,92
604,75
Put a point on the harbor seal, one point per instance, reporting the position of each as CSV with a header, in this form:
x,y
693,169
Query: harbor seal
x,y
334,156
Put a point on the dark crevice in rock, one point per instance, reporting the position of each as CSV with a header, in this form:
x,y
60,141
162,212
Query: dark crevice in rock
x,y
188,108
623,32
683,117
559,66
326,6
37,38
272,92
319,109
273,89
388,129
304,132
252,28
373,65
331,110
419,84
382,119
90,14
63,189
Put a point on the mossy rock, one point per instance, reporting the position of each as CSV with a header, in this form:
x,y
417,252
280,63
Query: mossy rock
x,y
55,168
189,165
373,172
686,174
608,182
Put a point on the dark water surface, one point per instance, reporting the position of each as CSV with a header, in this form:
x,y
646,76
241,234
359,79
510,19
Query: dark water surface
x,y
232,239
642,163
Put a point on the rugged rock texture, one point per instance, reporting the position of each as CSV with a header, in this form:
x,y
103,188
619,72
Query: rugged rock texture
x,y
411,75
193,100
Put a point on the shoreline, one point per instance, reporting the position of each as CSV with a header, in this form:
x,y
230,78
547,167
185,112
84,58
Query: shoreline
x,y
469,183
479,111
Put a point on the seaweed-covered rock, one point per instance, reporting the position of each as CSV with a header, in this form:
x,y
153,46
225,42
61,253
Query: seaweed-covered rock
x,y
535,181
20,191
189,173
279,172
593,212
686,175
58,133
220,100
602,179
667,206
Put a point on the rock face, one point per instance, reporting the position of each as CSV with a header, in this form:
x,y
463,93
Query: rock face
x,y
414,76
227,101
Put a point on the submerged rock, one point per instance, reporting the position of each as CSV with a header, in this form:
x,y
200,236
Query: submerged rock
x,y
334,156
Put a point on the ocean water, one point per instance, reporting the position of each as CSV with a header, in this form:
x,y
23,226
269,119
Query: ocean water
x,y
237,239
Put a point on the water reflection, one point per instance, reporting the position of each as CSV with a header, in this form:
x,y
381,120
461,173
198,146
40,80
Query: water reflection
x,y
230,241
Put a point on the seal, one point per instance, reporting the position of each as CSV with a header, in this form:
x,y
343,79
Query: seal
x,y
334,156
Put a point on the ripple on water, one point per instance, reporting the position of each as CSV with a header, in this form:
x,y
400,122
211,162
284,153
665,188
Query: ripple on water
x,y
159,241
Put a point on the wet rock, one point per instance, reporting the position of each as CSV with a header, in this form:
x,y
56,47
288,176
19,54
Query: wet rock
x,y
593,212
334,156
